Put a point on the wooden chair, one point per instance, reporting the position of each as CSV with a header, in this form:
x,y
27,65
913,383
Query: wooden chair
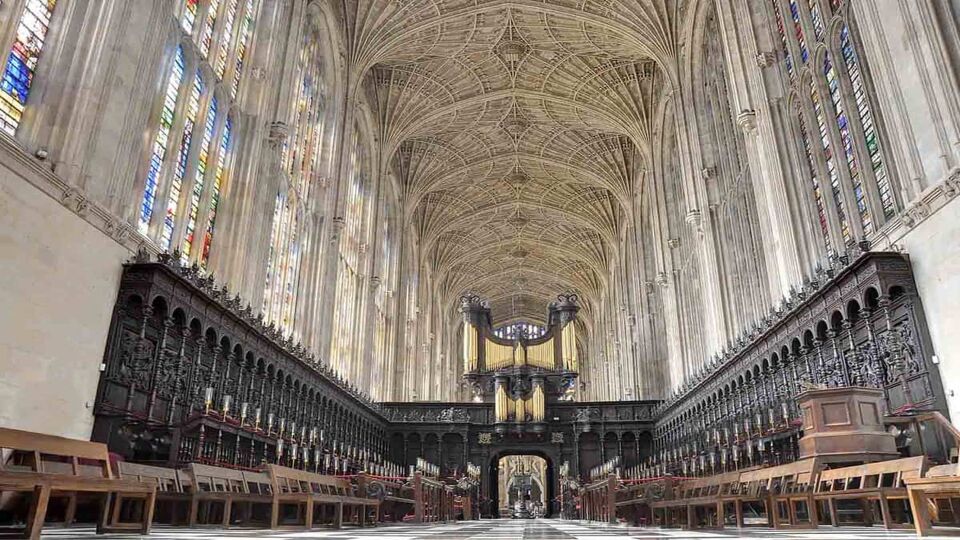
x,y
49,466
871,485
935,498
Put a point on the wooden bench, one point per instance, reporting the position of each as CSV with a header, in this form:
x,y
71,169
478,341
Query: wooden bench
x,y
784,491
215,493
634,499
305,491
935,498
433,500
173,490
872,485
698,502
49,466
598,501
397,499
204,495
704,498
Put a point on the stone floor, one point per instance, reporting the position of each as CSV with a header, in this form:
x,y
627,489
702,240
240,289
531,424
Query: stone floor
x,y
500,529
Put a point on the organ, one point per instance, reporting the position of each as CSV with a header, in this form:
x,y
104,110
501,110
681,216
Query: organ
x,y
520,374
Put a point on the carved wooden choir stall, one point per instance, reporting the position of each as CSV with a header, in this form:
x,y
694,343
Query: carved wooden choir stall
x,y
828,412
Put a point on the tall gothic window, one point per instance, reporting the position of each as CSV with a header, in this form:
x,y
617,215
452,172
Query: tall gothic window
x,y
24,53
302,158
346,302
384,305
832,102
190,157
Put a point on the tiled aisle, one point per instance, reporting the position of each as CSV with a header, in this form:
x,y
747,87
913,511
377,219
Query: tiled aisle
x,y
500,529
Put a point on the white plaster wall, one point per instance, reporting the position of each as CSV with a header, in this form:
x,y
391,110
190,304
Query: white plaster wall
x,y
58,281
934,248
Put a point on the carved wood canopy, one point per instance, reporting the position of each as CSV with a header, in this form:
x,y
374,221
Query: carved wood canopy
x,y
518,131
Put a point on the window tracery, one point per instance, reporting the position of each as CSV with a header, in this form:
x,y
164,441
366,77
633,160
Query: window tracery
x,y
190,158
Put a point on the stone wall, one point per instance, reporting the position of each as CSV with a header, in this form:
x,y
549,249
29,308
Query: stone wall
x,y
935,254
58,281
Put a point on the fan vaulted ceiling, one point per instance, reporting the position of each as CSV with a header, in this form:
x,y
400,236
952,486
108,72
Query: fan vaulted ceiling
x,y
518,131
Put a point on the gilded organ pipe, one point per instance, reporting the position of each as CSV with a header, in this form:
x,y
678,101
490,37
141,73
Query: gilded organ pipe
x,y
569,347
541,355
498,356
538,409
470,356
520,409
519,355
502,404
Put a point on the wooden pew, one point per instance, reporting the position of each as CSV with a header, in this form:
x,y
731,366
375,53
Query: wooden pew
x,y
935,498
783,490
307,491
598,502
697,502
705,499
215,491
433,500
49,466
173,490
396,498
634,499
872,485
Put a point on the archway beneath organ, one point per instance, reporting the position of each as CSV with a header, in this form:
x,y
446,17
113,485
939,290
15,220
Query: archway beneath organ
x,y
522,485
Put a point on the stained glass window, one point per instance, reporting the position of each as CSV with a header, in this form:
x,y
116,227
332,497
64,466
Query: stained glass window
x,y
198,182
816,18
193,186
284,263
831,164
814,181
22,61
846,140
866,121
181,167
343,352
161,140
383,306
273,269
517,329
798,31
840,148
206,37
215,194
245,27
301,158
189,16
788,58
227,38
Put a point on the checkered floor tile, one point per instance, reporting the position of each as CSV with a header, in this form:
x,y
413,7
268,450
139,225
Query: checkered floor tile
x,y
497,529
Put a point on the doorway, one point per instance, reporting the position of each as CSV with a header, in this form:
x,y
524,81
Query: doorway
x,y
521,485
